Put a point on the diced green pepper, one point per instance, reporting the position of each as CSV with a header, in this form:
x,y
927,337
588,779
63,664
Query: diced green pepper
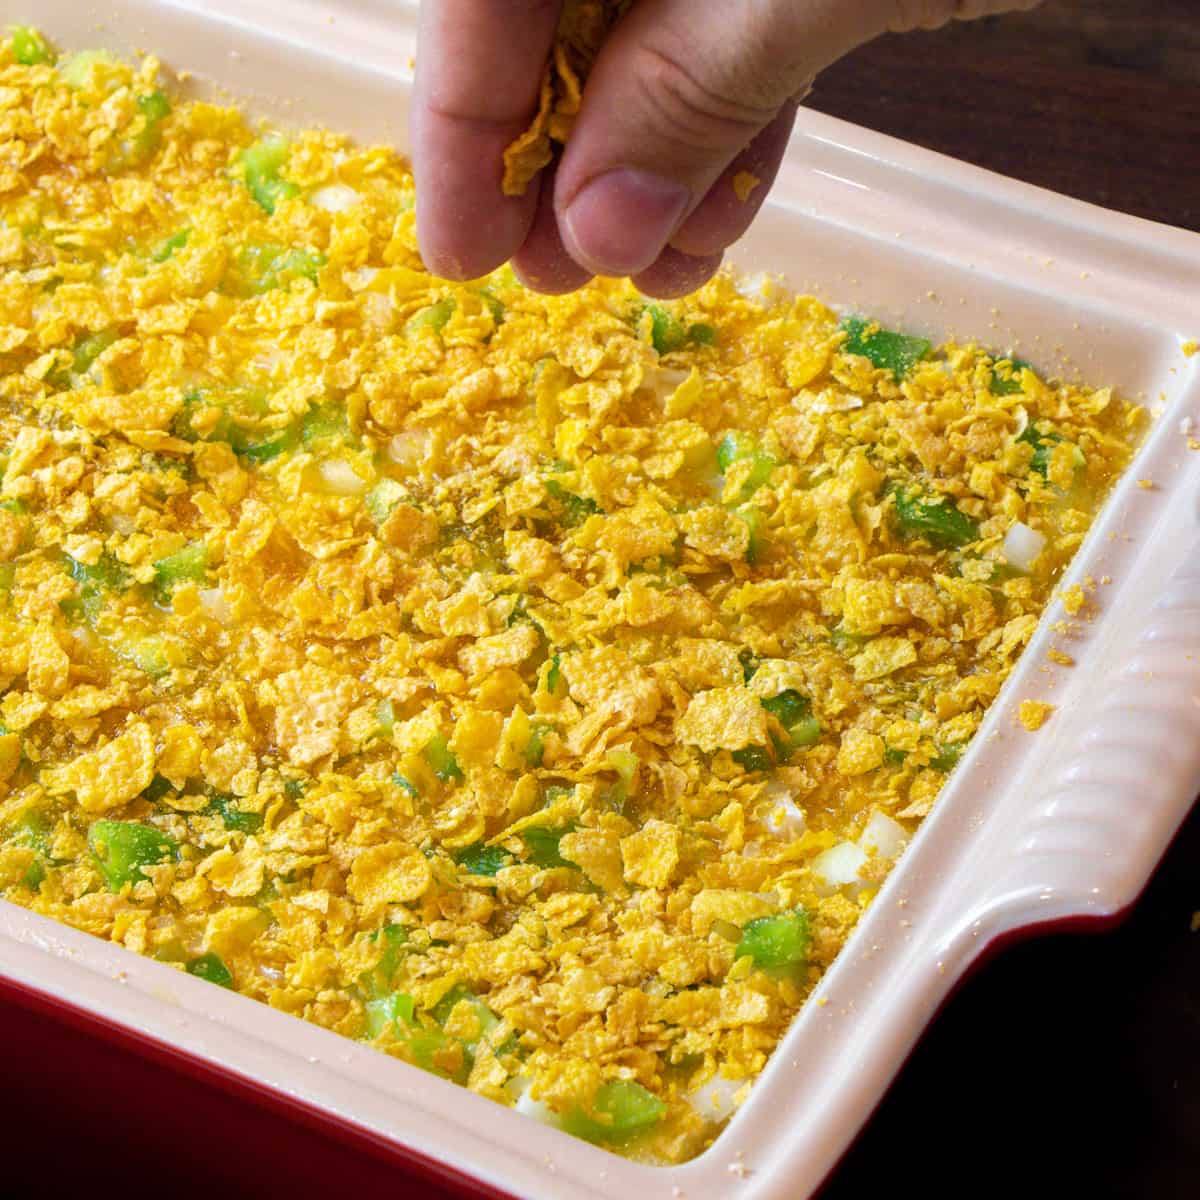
x,y
1043,443
76,71
893,757
542,845
159,788
573,510
385,1011
378,980
668,333
382,498
96,583
778,942
294,789
554,674
404,785
737,447
891,351
753,520
29,47
621,1109
237,820
435,317
535,747
750,664
154,108
482,860
210,967
147,652
261,166
800,728
259,450
190,564
166,248
788,707
939,521
263,266
453,998
441,759
122,848
1010,382
325,423
754,758
947,756
89,348
33,831
494,304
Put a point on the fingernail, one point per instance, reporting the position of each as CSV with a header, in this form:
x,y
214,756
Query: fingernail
x,y
620,222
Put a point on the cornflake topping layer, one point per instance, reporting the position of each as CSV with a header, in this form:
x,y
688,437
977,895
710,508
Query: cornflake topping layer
x,y
537,688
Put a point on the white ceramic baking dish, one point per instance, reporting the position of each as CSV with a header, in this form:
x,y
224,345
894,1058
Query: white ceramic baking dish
x,y
1033,830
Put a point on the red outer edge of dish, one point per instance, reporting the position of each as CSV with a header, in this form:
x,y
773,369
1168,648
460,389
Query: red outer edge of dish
x,y
190,1066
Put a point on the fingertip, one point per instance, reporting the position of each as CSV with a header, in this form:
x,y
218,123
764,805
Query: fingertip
x,y
542,263
676,274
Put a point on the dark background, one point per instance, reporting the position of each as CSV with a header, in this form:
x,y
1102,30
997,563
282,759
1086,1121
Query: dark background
x,y
1069,1066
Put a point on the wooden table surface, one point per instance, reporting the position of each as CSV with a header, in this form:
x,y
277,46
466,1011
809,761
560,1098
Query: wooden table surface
x,y
1068,1066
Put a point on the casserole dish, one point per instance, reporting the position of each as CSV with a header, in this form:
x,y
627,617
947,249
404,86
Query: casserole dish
x,y
956,849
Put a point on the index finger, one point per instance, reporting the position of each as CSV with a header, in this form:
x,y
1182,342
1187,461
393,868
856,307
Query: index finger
x,y
479,70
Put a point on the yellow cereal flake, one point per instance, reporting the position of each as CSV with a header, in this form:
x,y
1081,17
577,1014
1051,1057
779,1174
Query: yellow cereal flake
x,y
1190,348
744,182
1074,599
1059,657
452,645
1033,714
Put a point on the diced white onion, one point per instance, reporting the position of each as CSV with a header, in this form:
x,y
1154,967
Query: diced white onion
x,y
663,381
409,449
838,866
213,601
341,478
755,287
335,197
883,836
826,401
716,1099
1022,546
527,1106
784,815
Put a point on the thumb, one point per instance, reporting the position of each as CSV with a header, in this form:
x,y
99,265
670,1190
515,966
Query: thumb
x,y
679,89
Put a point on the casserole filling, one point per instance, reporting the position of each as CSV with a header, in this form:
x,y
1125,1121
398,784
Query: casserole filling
x,y
538,688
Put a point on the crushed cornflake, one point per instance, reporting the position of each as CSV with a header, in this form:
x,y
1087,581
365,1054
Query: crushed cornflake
x,y
744,183
503,680
1033,714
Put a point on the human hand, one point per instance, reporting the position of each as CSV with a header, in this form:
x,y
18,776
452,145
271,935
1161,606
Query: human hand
x,y
683,97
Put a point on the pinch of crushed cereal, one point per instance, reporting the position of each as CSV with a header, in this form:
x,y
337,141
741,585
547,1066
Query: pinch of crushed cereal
x,y
1033,714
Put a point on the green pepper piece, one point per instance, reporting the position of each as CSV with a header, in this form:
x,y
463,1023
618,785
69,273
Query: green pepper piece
x,y
495,305
480,859
1011,383
737,446
424,1044
76,71
159,787
753,758
455,996
210,967
750,663
122,848
535,747
668,333
778,942
261,267
891,351
753,519
89,348
294,789
154,108
8,577
383,498
940,522
326,422
96,582
187,564
542,845
554,674
237,820
947,756
573,509
378,981
788,707
387,1010
1043,444
435,317
894,757
167,247
621,1109
441,759
33,831
405,785
261,165
29,47
262,450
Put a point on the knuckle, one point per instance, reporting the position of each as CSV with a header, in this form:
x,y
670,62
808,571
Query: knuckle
x,y
695,106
